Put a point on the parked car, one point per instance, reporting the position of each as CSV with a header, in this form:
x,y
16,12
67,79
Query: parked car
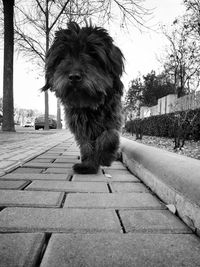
x,y
40,121
28,124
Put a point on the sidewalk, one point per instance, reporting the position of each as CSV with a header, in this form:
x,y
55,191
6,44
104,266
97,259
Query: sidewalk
x,y
19,147
51,216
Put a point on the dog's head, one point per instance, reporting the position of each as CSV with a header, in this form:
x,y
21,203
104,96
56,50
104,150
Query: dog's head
x,y
83,66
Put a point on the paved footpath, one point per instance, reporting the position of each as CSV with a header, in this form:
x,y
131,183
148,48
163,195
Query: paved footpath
x,y
50,216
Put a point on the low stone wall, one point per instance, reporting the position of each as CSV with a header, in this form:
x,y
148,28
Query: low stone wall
x,y
173,178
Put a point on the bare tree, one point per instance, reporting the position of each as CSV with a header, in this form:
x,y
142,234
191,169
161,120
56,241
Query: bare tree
x,y
134,98
36,20
193,17
34,28
182,60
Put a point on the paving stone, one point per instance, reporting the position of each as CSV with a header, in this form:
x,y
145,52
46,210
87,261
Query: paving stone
x,y
152,221
9,167
48,165
36,176
19,157
58,170
114,201
66,160
13,184
58,220
62,165
67,142
58,150
28,170
116,166
67,186
71,153
100,177
20,249
43,156
42,165
6,163
130,250
74,147
30,198
128,187
2,172
42,160
52,154
121,175
70,157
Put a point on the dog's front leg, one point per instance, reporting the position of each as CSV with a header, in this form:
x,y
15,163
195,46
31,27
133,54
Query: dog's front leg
x,y
102,151
86,150
89,162
107,145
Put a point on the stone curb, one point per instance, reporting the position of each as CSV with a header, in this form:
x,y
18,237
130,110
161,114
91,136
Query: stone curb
x,y
175,179
45,143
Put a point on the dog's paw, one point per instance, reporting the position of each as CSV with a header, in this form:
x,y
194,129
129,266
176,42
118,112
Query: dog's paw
x,y
85,168
107,158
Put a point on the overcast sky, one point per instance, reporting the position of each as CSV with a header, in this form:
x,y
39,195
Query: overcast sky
x,y
140,49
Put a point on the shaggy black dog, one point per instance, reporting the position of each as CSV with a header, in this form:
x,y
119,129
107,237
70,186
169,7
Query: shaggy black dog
x,y
83,68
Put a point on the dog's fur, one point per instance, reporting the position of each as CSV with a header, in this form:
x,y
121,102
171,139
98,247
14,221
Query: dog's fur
x,y
83,68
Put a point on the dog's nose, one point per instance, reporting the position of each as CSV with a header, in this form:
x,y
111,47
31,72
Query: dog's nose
x,y
75,77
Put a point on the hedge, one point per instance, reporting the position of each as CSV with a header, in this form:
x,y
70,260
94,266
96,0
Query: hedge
x,y
168,125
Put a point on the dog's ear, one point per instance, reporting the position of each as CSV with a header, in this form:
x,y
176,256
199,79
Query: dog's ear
x,y
57,52
117,61
118,86
45,87
53,57
101,44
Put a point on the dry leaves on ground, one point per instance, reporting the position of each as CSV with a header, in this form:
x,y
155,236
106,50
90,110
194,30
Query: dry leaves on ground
x,y
191,148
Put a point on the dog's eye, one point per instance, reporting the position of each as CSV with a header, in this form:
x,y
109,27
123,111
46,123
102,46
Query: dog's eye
x,y
98,54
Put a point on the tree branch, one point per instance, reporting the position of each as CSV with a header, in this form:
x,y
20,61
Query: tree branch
x,y
30,42
41,8
60,13
133,13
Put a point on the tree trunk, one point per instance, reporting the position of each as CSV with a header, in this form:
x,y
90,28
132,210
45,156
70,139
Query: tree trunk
x,y
8,105
59,125
46,112
46,96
